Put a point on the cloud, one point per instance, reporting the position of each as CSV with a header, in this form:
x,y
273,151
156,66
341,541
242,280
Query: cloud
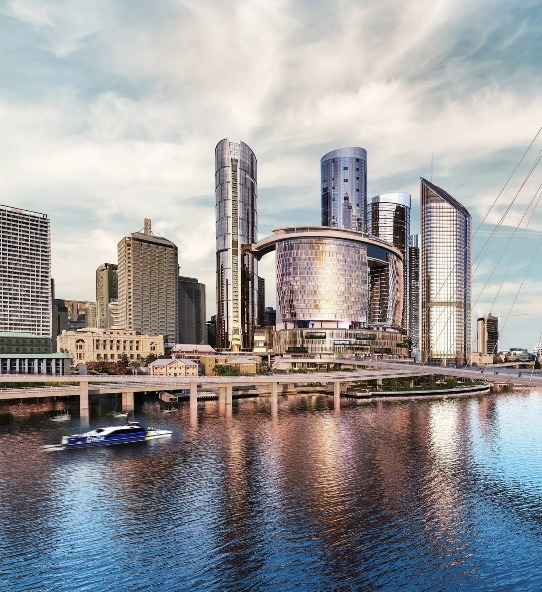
x,y
110,113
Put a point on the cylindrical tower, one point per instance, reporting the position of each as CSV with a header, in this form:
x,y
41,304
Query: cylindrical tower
x,y
388,218
344,188
236,225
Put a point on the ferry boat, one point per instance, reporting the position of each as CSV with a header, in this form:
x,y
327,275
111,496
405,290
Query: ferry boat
x,y
126,434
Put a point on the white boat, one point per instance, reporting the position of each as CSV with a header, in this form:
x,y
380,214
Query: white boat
x,y
66,416
130,433
117,414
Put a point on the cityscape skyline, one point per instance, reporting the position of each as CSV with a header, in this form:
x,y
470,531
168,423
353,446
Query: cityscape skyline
x,y
99,143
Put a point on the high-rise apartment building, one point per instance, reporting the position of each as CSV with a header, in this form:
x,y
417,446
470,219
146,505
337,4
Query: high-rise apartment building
x,y
25,272
488,334
388,218
106,291
344,188
446,229
192,323
148,284
236,225
261,302
414,294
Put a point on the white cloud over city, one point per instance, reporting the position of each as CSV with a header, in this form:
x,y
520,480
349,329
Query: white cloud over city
x,y
110,112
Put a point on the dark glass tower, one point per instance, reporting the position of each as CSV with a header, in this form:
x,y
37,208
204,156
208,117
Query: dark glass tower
x,y
192,325
344,188
236,225
388,218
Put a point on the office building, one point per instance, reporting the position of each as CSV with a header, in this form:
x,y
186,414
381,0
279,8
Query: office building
x,y
340,292
344,188
260,306
148,284
388,218
414,327
445,277
236,225
269,316
25,272
488,335
106,291
192,325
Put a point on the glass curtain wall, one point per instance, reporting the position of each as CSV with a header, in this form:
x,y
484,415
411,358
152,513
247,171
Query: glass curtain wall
x,y
236,225
446,277
344,188
388,218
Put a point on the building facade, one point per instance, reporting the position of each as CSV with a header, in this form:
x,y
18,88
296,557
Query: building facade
x,y
106,291
192,324
344,188
174,367
25,272
109,345
340,292
414,327
148,284
445,277
388,218
236,225
488,334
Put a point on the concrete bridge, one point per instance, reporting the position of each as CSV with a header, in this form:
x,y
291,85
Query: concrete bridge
x,y
365,370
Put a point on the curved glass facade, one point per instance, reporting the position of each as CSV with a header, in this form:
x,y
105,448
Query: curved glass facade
x,y
388,218
236,225
322,278
344,188
341,278
445,277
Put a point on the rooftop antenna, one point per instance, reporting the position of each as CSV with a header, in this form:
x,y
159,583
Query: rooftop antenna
x,y
431,167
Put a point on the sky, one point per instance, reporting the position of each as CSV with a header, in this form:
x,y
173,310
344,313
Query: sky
x,y
110,112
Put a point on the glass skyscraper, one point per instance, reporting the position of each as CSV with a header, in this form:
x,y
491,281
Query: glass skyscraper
x,y
236,225
446,229
388,218
344,188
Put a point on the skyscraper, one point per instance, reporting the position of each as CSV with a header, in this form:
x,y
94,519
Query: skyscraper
x,y
25,272
192,324
236,225
106,291
344,188
488,334
414,294
445,277
148,278
388,218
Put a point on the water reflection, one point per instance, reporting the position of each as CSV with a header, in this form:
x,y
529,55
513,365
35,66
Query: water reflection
x,y
296,492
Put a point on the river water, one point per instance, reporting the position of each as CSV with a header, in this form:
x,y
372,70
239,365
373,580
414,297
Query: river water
x,y
442,494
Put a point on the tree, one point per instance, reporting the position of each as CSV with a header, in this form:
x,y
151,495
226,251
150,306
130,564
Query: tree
x,y
135,366
226,370
124,359
150,358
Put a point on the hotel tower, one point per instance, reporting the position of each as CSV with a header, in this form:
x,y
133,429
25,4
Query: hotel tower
x,y
236,225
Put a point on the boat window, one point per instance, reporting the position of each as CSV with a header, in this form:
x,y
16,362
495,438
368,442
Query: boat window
x,y
98,430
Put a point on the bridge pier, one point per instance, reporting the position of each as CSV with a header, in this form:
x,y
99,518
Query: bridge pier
x,y
274,399
193,394
128,401
83,397
337,394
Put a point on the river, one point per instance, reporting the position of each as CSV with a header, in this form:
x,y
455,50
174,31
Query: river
x,y
441,494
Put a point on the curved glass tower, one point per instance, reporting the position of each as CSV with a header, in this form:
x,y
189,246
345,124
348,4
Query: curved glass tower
x,y
344,188
445,277
388,218
236,225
